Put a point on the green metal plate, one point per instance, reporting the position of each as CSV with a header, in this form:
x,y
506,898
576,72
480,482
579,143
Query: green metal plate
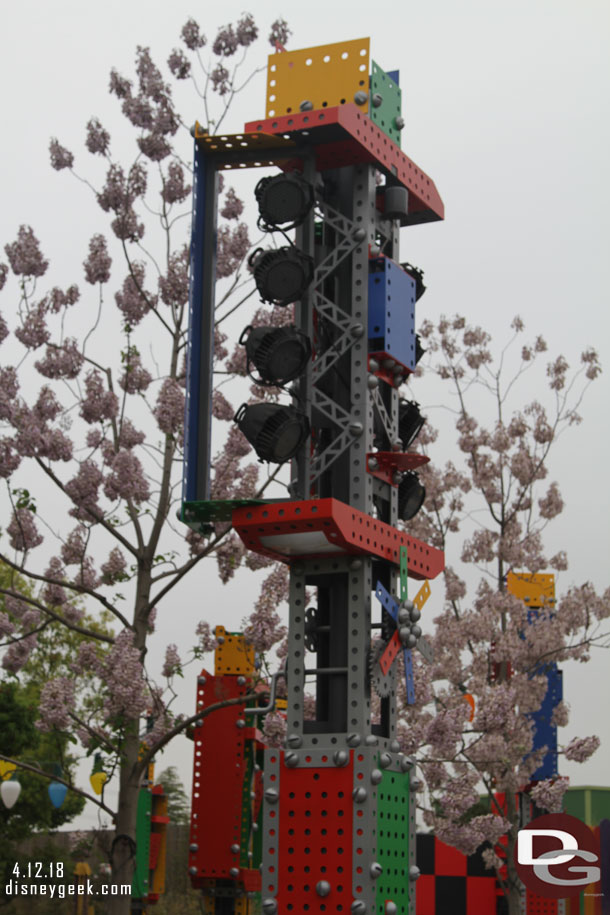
x,y
391,105
196,514
393,852
139,886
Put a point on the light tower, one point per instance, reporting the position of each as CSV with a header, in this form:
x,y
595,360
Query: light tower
x,y
338,817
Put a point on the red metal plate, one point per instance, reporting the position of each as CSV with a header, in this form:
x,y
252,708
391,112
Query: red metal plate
x,y
391,461
360,140
218,775
315,839
387,658
323,527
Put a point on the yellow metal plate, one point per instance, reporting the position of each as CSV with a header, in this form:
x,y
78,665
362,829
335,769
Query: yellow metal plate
x,y
533,590
422,595
233,655
326,76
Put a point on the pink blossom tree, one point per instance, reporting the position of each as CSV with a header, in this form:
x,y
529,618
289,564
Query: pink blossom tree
x,y
91,458
488,511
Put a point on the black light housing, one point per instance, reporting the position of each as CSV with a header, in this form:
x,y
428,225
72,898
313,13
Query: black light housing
x,y
417,274
410,422
281,275
283,201
275,432
419,350
411,495
279,354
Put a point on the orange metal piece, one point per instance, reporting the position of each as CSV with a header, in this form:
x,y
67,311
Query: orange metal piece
x,y
328,75
233,655
533,590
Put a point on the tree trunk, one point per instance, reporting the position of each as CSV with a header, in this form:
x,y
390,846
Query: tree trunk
x,y
122,858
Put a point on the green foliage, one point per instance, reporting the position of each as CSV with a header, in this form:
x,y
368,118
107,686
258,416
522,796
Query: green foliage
x,y
178,804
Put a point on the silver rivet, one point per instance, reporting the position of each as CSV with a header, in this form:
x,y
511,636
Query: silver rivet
x,y
271,796
269,906
376,776
390,908
375,870
192,870
356,330
403,616
388,363
201,681
373,463
414,872
354,740
406,763
360,97
194,847
416,784
235,849
355,565
356,429
394,746
199,723
414,615
340,757
255,827
359,234
385,760
370,740
234,872
358,907
306,105
323,888
241,681
291,759
372,382
359,795
240,723
221,639
416,631
294,741
377,100
399,123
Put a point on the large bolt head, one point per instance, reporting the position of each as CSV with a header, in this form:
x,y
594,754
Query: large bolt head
x,y
406,763
358,907
376,776
399,123
192,870
306,105
372,382
271,796
407,604
240,723
411,641
356,429
241,681
235,849
377,100
201,681
359,234
234,872
394,746
370,740
359,795
390,908
416,784
291,759
414,872
269,906
340,757
375,870
403,616
221,639
403,633
414,615
416,631
294,741
385,760
373,463
373,364
194,847
360,97
322,887
354,740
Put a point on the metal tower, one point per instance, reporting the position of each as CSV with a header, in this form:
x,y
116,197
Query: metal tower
x,y
338,814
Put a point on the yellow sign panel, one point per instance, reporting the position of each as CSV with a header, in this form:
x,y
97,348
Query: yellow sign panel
x,y
327,76
533,590
422,595
233,655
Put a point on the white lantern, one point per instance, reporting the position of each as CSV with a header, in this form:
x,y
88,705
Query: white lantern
x,y
10,791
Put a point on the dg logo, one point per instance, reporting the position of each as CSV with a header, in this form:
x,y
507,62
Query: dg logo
x,y
557,856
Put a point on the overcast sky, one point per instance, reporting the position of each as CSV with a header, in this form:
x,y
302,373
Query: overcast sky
x,y
506,108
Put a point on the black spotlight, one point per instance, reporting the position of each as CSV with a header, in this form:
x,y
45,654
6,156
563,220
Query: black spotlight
x,y
279,354
419,350
281,276
417,274
283,201
410,422
411,495
275,432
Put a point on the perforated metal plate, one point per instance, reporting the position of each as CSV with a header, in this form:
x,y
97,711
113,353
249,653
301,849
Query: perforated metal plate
x,y
395,827
233,655
385,115
326,76
534,590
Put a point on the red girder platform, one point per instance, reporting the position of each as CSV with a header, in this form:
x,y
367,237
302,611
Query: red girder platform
x,y
346,136
323,527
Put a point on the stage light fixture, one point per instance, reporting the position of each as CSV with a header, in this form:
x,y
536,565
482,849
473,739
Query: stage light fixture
x,y
410,422
279,354
275,432
411,495
283,201
282,275
417,274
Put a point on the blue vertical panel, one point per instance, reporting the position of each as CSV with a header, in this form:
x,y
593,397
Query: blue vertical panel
x,y
545,733
391,319
200,346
